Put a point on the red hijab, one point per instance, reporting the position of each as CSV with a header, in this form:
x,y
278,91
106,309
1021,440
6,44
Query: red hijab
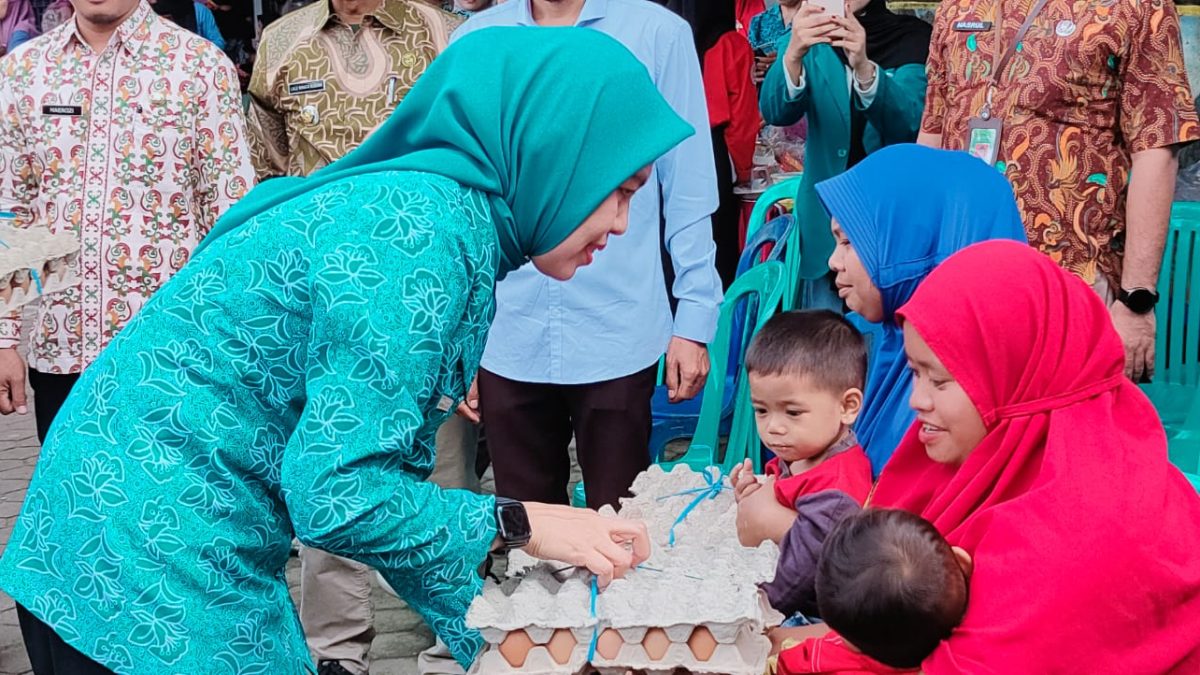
x,y
1086,540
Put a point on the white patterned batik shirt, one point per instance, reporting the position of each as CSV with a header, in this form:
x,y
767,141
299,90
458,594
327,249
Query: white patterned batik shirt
x,y
137,149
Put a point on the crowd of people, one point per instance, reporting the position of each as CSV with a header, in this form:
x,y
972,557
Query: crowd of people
x,y
302,305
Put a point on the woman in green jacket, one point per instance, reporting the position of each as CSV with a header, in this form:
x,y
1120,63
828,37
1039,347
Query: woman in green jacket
x,y
289,381
860,81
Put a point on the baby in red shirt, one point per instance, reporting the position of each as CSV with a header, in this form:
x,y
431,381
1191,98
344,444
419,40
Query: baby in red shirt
x,y
891,587
806,371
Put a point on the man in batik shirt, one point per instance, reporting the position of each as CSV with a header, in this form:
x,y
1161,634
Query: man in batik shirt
x,y
125,130
1093,105
326,76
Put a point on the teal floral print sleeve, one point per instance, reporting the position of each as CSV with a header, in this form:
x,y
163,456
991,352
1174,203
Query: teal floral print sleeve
x,y
289,381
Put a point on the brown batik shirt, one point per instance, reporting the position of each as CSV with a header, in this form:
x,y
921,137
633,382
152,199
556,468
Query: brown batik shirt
x,y
1093,82
320,86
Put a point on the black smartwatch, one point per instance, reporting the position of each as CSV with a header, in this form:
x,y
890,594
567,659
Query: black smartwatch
x,y
1138,300
512,523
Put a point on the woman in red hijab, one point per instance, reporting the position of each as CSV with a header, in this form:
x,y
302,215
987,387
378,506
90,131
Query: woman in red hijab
x,y
1034,453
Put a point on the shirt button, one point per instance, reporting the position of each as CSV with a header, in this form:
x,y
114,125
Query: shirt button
x,y
841,153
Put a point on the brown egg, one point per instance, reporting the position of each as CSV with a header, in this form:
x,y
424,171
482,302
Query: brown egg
x,y
560,646
609,644
515,648
702,643
655,643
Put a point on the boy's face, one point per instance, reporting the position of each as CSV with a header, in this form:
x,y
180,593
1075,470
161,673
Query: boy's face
x,y
798,420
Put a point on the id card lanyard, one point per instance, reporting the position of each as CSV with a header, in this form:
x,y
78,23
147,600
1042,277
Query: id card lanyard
x,y
985,130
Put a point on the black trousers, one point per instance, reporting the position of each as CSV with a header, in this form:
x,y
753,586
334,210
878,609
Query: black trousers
x,y
728,215
530,426
48,654
49,394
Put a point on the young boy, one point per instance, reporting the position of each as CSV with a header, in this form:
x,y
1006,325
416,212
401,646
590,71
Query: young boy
x,y
806,372
891,588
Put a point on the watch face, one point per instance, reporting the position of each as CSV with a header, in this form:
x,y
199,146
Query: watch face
x,y
512,522
1140,301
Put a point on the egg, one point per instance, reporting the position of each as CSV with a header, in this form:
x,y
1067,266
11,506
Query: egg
x,y
609,643
560,646
515,648
656,643
702,643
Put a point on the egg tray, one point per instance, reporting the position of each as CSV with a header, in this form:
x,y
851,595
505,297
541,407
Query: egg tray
x,y
694,605
654,651
33,263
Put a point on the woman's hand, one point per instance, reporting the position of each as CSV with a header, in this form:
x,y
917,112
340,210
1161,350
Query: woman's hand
x,y
762,64
852,38
811,26
609,547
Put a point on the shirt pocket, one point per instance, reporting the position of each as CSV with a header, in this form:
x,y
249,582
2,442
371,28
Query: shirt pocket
x,y
968,63
163,141
156,160
1076,70
58,145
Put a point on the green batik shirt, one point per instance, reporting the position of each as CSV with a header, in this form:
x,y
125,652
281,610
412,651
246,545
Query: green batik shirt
x,y
288,381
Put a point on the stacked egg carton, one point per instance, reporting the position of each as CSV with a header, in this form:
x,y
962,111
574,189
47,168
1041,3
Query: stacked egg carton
x,y
34,262
694,606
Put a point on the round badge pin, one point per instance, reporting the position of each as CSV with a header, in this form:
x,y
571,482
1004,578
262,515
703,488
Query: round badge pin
x,y
1065,28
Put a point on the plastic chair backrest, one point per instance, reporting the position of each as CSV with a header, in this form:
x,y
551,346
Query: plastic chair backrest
x,y
764,285
788,189
772,196
775,234
1177,352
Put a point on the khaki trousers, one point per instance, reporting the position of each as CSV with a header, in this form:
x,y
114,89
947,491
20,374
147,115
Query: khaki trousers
x,y
335,592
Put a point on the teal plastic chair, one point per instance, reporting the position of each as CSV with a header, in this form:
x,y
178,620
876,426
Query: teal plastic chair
x,y
1194,479
1175,391
762,208
760,291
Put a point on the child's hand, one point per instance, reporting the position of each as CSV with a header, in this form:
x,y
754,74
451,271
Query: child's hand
x,y
744,481
760,517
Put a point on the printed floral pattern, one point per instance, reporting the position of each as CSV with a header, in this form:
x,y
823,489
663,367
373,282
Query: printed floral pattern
x,y
271,390
136,150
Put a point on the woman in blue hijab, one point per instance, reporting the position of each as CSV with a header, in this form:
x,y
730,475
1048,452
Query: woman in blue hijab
x,y
895,217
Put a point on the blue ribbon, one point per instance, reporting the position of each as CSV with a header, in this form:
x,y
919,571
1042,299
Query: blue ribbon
x,y
716,483
596,628
37,280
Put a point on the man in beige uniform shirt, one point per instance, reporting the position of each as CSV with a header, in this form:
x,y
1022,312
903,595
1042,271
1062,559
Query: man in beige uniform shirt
x,y
326,76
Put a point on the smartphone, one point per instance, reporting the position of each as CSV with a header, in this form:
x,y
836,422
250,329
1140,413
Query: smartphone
x,y
831,7
764,51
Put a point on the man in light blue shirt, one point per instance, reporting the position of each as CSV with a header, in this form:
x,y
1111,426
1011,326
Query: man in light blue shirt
x,y
578,357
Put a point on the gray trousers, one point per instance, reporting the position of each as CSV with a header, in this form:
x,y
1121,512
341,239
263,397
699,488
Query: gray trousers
x,y
335,593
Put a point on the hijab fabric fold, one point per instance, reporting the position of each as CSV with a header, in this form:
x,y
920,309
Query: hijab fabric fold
x,y
546,122
893,40
1086,540
902,225
20,17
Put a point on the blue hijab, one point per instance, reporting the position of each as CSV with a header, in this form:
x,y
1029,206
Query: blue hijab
x,y
905,209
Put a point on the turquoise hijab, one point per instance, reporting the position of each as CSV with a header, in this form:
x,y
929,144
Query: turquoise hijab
x,y
547,122
905,209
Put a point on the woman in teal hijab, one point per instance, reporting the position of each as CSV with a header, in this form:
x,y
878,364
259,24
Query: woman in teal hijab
x,y
290,379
